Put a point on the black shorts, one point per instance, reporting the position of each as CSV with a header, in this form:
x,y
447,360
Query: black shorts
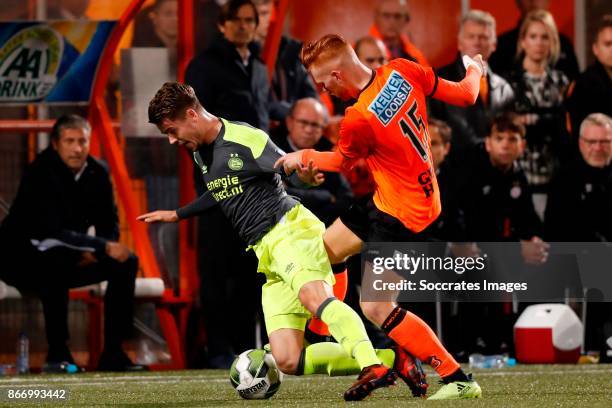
x,y
357,217
370,224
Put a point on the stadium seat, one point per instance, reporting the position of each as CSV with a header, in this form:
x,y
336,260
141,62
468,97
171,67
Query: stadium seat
x,y
152,290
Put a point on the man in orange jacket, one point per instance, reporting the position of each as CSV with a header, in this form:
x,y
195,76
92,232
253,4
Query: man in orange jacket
x,y
390,19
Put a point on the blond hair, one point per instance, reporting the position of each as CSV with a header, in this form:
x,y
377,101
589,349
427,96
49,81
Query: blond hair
x,y
544,17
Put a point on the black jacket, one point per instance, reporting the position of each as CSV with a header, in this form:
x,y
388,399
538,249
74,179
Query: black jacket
x,y
291,80
505,55
326,201
470,124
579,203
227,88
592,93
50,203
548,142
450,224
497,206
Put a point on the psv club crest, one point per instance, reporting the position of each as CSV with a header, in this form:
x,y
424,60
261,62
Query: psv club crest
x,y
235,163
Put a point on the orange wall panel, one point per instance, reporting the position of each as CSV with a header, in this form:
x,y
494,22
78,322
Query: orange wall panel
x,y
433,26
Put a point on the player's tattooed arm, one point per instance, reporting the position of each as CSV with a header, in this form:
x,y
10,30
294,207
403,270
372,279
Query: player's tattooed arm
x,y
325,161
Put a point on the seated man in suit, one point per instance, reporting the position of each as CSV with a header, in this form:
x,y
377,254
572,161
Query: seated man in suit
x,y
46,248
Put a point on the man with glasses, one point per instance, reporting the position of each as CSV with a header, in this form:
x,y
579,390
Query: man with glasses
x,y
390,19
305,122
578,210
581,195
231,81
371,51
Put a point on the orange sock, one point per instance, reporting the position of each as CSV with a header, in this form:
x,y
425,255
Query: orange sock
x,y
415,336
340,287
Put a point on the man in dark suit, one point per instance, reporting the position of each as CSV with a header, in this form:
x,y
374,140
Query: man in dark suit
x,y
47,247
592,91
470,125
578,210
305,123
290,80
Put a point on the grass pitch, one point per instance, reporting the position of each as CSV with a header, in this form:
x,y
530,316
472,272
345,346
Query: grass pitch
x,y
522,386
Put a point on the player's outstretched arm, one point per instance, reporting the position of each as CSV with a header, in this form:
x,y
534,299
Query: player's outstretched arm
x,y
323,161
159,216
463,93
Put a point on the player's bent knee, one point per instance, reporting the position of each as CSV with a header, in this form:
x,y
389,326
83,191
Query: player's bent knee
x,y
287,363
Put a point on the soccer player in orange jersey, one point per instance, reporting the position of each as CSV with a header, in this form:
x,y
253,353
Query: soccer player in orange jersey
x,y
387,127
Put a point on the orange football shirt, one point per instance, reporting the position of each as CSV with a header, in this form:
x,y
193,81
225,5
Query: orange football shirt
x,y
387,126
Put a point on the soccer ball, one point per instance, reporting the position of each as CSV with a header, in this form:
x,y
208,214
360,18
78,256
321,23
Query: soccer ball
x,y
254,375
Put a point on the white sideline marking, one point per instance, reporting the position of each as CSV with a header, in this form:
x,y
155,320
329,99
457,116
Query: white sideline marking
x,y
76,380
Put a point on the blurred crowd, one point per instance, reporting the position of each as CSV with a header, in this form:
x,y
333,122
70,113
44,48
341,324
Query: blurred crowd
x,y
529,162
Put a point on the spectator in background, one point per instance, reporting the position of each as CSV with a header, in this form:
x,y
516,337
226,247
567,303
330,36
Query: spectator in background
x,y
157,26
539,93
390,20
371,51
206,20
230,80
228,77
470,124
290,81
579,211
496,198
592,91
496,202
581,194
46,247
504,58
445,226
305,123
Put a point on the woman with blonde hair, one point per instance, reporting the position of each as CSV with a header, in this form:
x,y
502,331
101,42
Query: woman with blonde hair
x,y
540,91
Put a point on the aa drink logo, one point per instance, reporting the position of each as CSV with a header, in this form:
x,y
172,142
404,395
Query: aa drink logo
x,y
29,62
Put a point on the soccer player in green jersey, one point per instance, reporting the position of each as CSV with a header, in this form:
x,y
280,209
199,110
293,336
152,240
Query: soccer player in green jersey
x,y
237,164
